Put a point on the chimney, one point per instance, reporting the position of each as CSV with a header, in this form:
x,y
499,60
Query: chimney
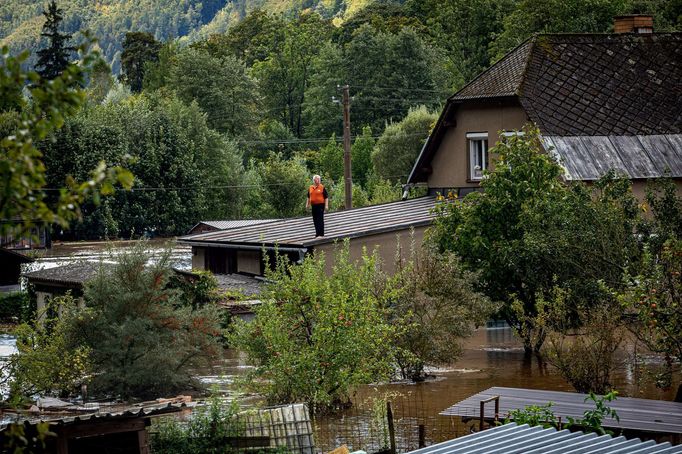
x,y
633,23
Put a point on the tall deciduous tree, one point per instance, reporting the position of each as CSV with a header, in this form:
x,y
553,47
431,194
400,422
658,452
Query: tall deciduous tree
x,y
54,59
22,170
400,144
529,233
138,49
221,86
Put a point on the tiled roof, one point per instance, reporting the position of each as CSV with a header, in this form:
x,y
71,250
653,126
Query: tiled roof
x,y
601,85
300,233
500,80
510,439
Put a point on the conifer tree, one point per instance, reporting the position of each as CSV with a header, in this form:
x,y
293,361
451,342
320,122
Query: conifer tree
x,y
54,59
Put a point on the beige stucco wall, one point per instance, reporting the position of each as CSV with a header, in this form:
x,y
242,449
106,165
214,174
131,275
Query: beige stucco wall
x,y
198,258
450,162
386,243
248,262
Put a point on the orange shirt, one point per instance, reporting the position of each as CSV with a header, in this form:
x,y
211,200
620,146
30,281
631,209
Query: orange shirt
x,y
317,194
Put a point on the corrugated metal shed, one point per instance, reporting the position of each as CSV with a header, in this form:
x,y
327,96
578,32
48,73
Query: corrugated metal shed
x,y
510,439
590,157
299,232
647,415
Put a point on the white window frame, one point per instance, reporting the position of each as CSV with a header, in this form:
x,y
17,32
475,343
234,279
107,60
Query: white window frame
x,y
476,171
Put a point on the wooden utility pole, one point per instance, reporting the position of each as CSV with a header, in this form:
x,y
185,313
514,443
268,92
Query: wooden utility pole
x,y
348,186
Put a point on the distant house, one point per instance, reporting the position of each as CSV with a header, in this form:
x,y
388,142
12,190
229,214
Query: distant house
x,y
601,102
240,250
11,268
212,226
37,238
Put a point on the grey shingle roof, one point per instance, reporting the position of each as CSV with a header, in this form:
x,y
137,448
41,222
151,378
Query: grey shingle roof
x,y
510,439
299,232
73,274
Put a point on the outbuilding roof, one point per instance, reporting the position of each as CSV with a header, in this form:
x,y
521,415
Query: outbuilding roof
x,y
77,273
511,438
300,233
230,224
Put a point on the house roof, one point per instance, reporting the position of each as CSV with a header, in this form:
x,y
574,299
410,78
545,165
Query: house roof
x,y
230,224
511,438
16,256
75,274
648,415
299,232
570,85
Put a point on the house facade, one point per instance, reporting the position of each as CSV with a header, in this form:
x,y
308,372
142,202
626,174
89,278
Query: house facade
x,y
601,102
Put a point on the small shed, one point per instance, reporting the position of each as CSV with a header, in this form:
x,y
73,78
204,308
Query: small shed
x,y
511,439
121,429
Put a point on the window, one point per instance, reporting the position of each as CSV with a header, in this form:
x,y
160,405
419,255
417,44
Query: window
x,y
478,154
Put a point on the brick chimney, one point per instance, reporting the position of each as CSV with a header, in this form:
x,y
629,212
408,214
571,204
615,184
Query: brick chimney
x,y
633,23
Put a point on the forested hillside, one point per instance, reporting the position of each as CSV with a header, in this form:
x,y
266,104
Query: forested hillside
x,y
231,125
109,20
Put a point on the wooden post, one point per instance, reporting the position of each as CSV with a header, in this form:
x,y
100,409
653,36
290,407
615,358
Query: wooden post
x,y
422,436
347,176
391,427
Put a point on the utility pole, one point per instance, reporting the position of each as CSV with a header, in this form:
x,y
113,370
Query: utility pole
x,y
348,187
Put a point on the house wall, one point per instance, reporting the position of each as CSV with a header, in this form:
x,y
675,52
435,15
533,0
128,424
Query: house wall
x,y
387,244
198,258
450,163
249,262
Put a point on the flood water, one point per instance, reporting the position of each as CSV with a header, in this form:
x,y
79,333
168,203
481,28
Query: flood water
x,y
492,357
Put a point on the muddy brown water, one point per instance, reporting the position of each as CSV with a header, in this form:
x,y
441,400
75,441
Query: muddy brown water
x,y
491,357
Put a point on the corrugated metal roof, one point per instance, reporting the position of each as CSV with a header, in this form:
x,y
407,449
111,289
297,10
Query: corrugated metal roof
x,y
636,414
100,414
590,157
510,439
230,224
300,232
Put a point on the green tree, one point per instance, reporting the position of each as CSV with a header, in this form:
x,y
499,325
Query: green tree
x,y
54,59
21,166
529,233
434,304
317,336
555,16
138,49
285,74
222,88
252,40
34,368
361,156
400,144
284,183
143,341
331,160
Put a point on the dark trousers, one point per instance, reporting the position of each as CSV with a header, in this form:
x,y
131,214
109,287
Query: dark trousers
x,y
318,218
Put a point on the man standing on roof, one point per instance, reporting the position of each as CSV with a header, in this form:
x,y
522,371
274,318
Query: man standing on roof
x,y
318,199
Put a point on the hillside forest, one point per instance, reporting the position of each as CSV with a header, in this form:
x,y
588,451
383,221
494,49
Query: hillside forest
x,y
224,110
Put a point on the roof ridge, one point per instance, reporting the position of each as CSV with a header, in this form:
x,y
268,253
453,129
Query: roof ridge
x,y
493,66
